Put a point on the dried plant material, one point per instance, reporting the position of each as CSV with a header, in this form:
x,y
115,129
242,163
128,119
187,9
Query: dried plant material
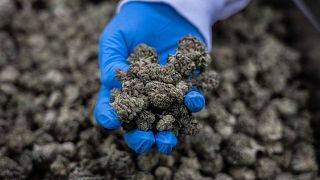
x,y
150,92
49,83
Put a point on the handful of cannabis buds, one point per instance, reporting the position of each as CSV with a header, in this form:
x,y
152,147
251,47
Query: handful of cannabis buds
x,y
152,95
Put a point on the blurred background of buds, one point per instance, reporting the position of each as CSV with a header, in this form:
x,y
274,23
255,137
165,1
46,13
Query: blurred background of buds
x,y
261,123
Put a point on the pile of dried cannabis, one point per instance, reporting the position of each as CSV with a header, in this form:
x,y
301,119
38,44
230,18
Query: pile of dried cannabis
x,y
152,95
256,123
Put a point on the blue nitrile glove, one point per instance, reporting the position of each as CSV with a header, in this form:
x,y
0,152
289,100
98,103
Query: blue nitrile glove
x,y
194,100
165,141
159,26
140,141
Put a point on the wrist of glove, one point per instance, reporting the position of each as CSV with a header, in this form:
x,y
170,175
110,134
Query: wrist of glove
x,y
201,14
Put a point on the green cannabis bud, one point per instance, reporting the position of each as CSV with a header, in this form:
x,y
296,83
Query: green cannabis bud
x,y
152,95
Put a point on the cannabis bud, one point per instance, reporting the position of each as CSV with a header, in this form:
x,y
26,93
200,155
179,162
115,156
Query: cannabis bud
x,y
152,94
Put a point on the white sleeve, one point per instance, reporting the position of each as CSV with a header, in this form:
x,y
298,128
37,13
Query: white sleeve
x,y
201,13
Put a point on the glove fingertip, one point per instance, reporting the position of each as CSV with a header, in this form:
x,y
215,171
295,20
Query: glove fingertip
x,y
165,141
138,140
107,118
194,101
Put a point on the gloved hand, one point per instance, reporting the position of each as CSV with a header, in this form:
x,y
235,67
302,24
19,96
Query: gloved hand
x,y
159,26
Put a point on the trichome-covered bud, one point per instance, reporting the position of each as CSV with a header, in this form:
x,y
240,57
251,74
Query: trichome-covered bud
x,y
143,53
179,112
166,123
184,65
157,72
195,50
208,81
114,93
127,107
122,76
145,120
133,87
162,95
169,74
